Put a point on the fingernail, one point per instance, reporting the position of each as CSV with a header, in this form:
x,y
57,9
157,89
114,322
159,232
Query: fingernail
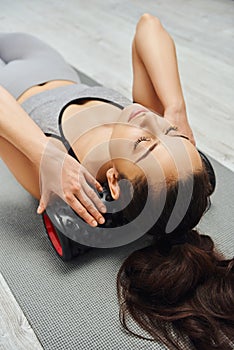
x,y
100,188
94,223
103,209
101,221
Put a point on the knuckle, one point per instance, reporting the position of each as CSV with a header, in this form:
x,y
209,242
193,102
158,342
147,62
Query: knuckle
x,y
90,193
82,211
77,187
90,207
68,197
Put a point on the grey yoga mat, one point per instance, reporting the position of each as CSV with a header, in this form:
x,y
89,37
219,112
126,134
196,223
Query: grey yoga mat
x,y
73,305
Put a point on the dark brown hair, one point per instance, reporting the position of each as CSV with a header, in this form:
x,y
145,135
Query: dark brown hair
x,y
179,280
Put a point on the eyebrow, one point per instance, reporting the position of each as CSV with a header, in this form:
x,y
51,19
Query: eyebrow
x,y
151,148
185,137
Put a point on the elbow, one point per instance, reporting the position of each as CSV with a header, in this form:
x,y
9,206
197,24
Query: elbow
x,y
147,18
151,27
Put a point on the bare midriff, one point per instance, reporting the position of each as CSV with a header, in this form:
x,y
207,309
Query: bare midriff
x,y
43,87
71,110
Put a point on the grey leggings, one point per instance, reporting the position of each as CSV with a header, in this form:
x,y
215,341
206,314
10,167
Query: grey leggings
x,y
26,61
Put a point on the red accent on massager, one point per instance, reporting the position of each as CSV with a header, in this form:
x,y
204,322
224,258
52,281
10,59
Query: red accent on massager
x,y
53,235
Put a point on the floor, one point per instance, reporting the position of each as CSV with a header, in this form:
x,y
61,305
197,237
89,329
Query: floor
x,y
15,331
95,36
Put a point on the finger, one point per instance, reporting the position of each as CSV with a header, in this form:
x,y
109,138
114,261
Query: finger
x,y
92,181
41,207
82,211
92,195
90,206
192,140
42,204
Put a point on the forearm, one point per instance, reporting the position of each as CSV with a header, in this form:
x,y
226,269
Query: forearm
x,y
19,129
156,50
156,82
49,164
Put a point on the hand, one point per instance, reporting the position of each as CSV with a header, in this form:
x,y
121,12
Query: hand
x,y
63,175
181,122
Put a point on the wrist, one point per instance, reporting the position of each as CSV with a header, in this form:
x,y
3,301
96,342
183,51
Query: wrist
x,y
48,150
36,152
176,112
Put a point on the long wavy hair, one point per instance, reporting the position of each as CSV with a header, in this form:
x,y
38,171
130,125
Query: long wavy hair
x,y
180,281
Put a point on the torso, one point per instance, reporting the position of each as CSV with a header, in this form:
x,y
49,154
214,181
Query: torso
x,y
102,133
53,85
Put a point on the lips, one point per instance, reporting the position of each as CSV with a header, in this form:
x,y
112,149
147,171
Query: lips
x,y
135,113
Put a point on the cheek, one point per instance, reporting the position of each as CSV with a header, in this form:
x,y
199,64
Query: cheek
x,y
128,169
121,148
122,165
122,141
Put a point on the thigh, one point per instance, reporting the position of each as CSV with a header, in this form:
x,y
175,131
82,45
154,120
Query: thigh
x,y
18,46
26,61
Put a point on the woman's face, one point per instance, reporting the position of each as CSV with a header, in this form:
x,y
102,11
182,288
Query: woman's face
x,y
142,140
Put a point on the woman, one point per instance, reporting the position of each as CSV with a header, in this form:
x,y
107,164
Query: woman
x,y
168,281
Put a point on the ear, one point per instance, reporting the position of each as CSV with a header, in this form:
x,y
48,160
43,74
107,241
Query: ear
x,y
112,179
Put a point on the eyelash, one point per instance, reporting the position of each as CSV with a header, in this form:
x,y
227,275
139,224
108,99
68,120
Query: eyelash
x,y
140,139
172,127
144,138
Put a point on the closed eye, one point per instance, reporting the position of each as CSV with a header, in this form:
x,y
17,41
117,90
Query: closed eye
x,y
140,139
172,127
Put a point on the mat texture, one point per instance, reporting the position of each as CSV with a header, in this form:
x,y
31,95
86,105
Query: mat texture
x,y
73,305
